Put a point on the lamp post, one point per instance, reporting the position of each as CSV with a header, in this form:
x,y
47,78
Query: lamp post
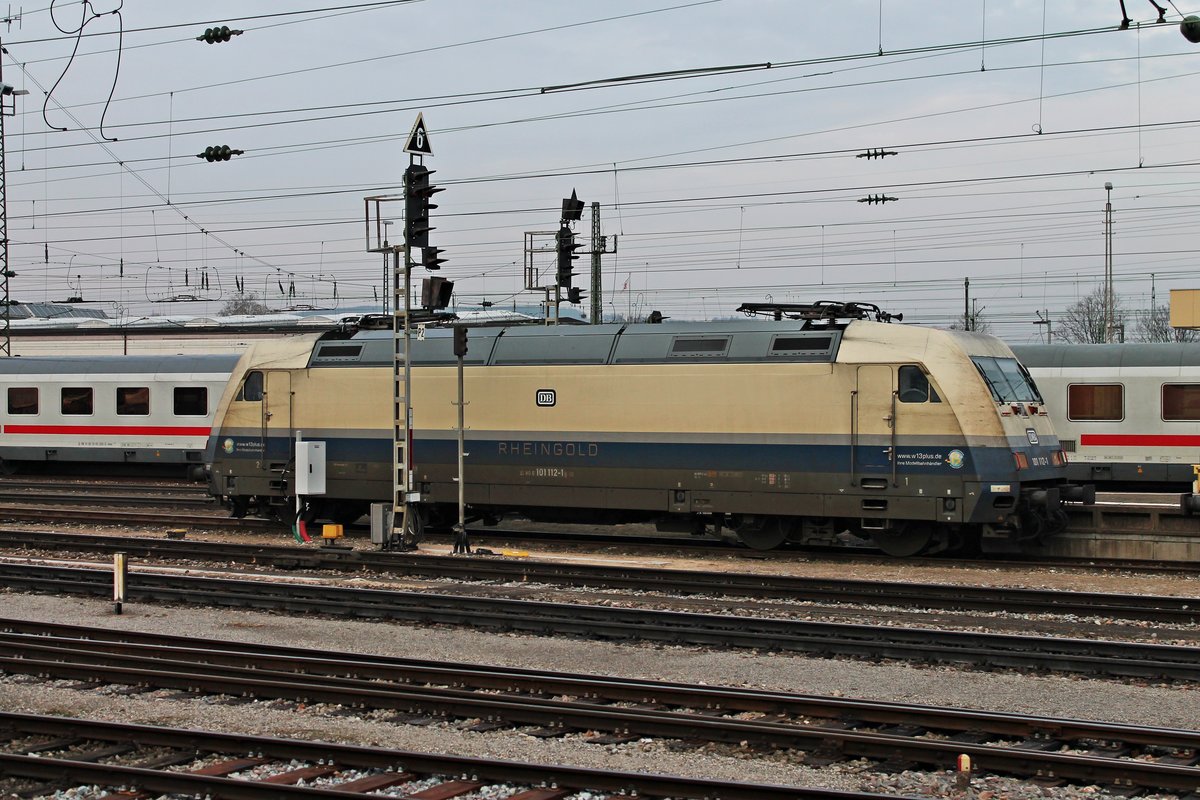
x,y
386,267
1109,301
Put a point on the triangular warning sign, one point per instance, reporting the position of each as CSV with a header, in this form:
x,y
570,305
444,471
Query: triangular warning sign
x,y
418,139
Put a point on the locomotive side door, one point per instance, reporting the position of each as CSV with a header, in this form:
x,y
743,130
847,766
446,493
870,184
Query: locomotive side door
x,y
277,431
873,424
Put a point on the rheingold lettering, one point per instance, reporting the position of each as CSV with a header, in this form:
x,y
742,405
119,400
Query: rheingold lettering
x,y
562,449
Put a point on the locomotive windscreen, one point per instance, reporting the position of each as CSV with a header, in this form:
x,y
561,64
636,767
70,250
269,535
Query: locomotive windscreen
x,y
1007,380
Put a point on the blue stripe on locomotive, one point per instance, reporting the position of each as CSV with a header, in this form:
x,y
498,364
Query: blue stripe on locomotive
x,y
963,463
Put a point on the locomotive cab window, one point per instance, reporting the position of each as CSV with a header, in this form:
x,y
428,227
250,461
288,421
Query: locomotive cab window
x,y
914,386
1007,380
1096,402
133,401
77,400
252,388
191,401
1181,401
23,400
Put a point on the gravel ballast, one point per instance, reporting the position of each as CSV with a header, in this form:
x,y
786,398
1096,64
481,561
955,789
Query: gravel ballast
x,y
1171,706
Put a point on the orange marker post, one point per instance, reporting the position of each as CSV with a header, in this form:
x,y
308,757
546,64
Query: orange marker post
x,y
962,780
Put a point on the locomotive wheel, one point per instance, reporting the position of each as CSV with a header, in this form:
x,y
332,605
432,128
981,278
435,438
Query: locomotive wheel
x,y
767,535
346,512
239,506
904,540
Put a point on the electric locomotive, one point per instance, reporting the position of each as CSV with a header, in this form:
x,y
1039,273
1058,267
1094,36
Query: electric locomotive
x,y
825,420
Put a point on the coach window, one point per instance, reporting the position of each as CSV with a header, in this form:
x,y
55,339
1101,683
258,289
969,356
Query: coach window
x,y
77,401
1181,401
1099,402
191,401
23,400
915,386
252,388
133,401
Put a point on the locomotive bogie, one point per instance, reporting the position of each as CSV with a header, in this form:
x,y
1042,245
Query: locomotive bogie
x,y
774,431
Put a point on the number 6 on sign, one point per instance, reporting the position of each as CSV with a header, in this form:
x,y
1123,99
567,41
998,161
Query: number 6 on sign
x,y
418,139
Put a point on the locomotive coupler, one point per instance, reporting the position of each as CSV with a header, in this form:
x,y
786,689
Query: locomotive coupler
x,y
1076,493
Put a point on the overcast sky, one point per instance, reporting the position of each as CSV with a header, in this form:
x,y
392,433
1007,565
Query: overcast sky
x,y
722,179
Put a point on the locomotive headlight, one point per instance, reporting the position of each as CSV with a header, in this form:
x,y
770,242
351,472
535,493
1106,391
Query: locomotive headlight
x,y
1021,459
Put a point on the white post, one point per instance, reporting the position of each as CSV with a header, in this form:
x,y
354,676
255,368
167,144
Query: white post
x,y
120,572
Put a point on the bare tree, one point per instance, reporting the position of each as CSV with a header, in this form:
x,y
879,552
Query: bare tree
x,y
1084,322
973,321
1154,325
243,304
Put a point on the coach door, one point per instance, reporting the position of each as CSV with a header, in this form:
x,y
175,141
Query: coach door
x,y
277,415
873,427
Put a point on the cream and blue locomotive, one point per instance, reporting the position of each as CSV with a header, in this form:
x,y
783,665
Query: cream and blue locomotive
x,y
826,420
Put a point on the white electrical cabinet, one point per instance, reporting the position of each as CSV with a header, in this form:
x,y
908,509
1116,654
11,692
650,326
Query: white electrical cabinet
x,y
310,468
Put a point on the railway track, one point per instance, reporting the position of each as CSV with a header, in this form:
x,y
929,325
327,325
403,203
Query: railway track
x,y
840,591
849,555
827,729
1153,530
129,486
59,514
976,649
47,755
92,499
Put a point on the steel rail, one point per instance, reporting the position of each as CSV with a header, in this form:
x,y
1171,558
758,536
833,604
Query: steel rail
x,y
348,680
60,497
145,486
989,650
44,767
844,554
839,591
76,514
100,641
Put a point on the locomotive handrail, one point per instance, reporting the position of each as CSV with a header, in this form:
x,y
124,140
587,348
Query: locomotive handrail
x,y
893,423
853,436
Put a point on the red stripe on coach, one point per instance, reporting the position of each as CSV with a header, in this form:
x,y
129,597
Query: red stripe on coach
x,y
1137,440
109,430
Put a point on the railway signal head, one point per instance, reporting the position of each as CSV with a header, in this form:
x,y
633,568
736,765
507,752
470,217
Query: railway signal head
x,y
417,193
436,292
575,295
1190,28
565,247
460,341
572,208
431,258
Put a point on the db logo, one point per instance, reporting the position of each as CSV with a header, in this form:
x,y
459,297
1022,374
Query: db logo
x,y
546,397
